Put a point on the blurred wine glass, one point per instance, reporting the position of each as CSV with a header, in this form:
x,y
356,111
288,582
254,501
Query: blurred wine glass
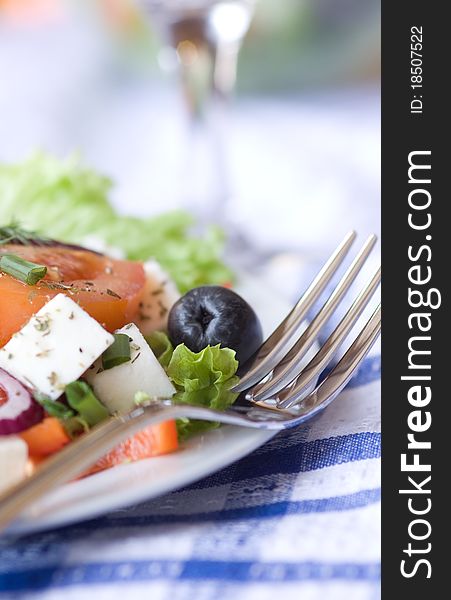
x,y
203,37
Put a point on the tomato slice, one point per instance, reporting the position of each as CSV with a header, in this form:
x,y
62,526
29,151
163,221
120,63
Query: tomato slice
x,y
154,440
109,290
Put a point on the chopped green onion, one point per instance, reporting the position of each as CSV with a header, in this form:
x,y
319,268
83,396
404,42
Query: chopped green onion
x,y
23,270
118,353
141,398
82,399
54,408
75,426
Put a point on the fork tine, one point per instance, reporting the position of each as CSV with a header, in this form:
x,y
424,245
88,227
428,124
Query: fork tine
x,y
278,343
322,358
290,366
336,380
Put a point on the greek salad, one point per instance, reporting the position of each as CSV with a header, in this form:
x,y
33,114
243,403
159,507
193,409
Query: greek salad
x,y
100,312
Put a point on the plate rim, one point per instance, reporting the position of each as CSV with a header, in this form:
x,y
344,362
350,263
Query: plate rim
x,y
33,521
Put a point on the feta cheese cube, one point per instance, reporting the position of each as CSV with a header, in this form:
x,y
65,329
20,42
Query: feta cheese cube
x,y
55,347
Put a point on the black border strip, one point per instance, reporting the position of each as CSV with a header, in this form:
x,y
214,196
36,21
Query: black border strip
x,y
404,132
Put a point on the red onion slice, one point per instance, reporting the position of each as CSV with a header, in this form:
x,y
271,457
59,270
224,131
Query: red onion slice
x,y
18,409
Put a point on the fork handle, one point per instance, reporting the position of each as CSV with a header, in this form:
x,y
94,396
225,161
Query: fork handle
x,y
79,455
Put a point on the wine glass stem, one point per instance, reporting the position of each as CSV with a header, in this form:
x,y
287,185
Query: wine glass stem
x,y
208,82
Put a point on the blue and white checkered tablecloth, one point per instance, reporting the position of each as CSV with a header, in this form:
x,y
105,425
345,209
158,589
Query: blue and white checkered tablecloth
x,y
298,517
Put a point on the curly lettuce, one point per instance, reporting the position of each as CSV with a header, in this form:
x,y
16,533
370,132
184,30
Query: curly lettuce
x,y
201,378
65,200
161,346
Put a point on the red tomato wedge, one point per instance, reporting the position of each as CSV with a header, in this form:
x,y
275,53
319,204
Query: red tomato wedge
x,y
152,441
109,290
49,437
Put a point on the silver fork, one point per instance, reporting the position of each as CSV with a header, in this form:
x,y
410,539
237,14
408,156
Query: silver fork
x,y
275,392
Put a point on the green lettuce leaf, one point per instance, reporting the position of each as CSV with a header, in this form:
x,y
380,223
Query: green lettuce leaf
x,y
65,200
201,378
187,428
194,372
161,346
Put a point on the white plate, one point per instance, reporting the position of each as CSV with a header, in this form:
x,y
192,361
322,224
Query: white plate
x,y
133,483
